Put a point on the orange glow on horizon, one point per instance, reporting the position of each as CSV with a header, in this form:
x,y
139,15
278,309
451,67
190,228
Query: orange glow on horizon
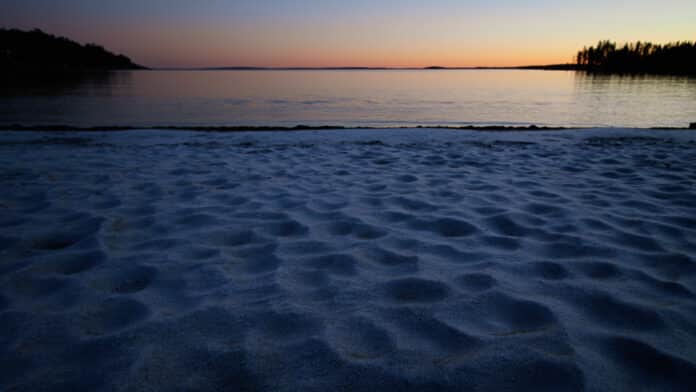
x,y
366,33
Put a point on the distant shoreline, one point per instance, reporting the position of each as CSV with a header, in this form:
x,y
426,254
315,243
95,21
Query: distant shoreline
x,y
59,73
553,67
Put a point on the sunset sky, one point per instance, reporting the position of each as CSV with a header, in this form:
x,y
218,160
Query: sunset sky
x,y
404,33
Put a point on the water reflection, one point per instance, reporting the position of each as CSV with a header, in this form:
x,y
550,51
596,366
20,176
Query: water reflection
x,y
350,98
635,100
56,84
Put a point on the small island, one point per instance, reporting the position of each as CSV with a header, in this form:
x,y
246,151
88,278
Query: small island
x,y
30,51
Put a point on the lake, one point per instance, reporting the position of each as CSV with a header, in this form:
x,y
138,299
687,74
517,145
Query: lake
x,y
352,98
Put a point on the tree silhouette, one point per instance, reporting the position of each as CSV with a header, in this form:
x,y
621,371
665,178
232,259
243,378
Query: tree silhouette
x,y
639,57
37,51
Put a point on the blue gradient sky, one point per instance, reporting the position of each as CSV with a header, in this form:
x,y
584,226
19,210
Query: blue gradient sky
x,y
181,33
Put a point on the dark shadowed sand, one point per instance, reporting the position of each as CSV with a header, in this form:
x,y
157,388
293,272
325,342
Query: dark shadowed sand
x,y
348,260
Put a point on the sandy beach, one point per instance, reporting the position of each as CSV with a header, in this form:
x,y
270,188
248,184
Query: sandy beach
x,y
365,260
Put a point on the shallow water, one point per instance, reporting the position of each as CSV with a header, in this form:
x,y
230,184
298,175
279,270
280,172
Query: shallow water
x,y
352,98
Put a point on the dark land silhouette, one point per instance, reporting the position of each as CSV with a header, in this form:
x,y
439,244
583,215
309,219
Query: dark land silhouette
x,y
28,51
678,58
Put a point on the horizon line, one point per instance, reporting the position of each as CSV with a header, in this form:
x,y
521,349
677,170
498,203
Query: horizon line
x,y
562,66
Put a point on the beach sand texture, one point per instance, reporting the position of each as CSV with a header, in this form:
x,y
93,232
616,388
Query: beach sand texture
x,y
348,260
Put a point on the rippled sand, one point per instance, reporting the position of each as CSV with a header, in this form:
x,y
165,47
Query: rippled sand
x,y
348,260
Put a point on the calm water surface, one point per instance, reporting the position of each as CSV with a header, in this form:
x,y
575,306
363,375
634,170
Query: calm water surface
x,y
352,98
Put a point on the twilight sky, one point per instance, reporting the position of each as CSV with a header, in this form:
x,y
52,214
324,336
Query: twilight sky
x,y
186,33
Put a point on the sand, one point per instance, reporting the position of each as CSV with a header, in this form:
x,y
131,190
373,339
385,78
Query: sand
x,y
348,260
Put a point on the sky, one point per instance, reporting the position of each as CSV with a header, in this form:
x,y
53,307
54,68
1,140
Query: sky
x,y
333,33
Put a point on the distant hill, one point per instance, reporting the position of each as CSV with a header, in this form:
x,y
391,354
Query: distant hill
x,y
35,50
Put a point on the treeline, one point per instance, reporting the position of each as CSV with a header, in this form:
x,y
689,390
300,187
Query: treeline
x,y
37,51
639,57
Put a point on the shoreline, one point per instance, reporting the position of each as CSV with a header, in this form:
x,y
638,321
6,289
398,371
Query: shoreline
x,y
267,128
